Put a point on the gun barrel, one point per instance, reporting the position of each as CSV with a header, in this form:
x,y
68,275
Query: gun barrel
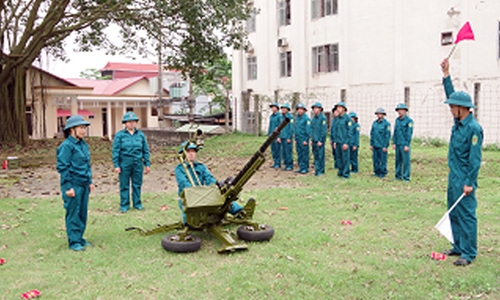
x,y
260,153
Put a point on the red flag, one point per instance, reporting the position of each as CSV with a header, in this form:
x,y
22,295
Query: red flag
x,y
465,33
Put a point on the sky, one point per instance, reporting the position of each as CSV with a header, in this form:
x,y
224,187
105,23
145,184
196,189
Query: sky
x,y
80,61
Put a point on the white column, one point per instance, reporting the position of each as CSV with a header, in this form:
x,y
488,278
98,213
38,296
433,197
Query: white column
x,y
108,119
74,105
148,115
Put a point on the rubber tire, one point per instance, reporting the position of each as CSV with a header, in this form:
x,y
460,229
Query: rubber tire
x,y
169,243
264,234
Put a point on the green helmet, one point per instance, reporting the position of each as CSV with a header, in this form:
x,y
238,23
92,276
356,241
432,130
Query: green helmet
x,y
380,110
401,106
274,104
187,146
353,115
460,99
339,104
317,104
75,120
301,105
129,116
287,106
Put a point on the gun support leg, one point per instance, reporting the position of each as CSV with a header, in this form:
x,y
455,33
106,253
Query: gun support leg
x,y
158,229
230,244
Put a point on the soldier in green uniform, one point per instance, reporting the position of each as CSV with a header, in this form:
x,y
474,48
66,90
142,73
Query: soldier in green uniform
x,y
302,136
286,138
380,136
194,167
318,138
354,144
130,155
335,118
73,164
274,121
401,140
464,161
342,138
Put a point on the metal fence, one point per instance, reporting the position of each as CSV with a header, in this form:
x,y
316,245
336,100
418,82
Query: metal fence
x,y
432,118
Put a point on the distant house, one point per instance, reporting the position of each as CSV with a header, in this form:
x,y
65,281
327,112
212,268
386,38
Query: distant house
x,y
51,99
132,87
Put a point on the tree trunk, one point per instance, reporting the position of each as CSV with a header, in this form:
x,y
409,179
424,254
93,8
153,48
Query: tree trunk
x,y
13,128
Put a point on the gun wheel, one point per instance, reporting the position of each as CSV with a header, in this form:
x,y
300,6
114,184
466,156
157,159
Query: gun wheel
x,y
173,242
248,233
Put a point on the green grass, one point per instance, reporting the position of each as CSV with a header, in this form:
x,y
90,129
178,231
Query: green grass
x,y
385,254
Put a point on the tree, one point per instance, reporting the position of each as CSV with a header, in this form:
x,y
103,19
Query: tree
x,y
92,73
215,82
193,33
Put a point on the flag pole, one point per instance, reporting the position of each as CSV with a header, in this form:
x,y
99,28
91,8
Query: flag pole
x,y
452,49
456,202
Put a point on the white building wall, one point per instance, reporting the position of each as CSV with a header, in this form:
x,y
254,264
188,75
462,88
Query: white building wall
x,y
384,46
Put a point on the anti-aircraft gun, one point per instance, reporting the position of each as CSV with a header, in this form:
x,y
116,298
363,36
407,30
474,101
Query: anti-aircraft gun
x,y
207,207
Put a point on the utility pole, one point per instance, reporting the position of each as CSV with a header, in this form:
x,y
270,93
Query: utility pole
x,y
191,100
160,87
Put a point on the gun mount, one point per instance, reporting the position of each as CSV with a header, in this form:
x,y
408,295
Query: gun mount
x,y
207,207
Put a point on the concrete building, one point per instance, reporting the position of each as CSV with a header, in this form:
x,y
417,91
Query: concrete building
x,y
370,54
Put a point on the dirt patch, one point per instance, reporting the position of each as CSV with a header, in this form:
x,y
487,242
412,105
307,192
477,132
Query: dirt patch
x,y
43,180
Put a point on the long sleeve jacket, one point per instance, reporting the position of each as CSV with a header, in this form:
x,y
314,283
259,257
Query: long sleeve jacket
x,y
403,131
380,134
342,130
465,150
73,163
302,128
130,147
318,128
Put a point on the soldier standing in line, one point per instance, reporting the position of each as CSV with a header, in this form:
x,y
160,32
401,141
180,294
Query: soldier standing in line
x,y
342,138
302,137
401,140
354,144
274,121
286,138
380,136
318,134
335,114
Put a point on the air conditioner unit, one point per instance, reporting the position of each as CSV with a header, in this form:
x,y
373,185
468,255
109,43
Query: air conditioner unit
x,y
250,49
282,42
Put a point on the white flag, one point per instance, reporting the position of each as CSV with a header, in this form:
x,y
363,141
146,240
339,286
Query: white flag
x,y
444,225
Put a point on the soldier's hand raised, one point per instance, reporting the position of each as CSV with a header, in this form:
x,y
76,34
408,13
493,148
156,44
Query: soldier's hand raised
x,y
445,67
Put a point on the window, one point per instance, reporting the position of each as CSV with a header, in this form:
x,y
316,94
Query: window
x,y
286,64
252,68
321,8
446,38
284,13
325,58
251,21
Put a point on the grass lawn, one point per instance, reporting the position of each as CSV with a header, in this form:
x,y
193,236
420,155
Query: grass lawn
x,y
384,254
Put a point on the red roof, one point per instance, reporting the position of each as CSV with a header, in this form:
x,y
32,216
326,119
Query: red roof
x,y
106,87
112,66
